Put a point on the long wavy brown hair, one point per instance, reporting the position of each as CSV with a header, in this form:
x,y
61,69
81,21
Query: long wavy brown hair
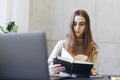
x,y
87,36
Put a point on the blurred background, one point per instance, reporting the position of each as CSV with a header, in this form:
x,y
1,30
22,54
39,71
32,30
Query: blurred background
x,y
53,16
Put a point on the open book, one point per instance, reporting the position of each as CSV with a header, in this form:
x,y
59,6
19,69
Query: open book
x,y
76,65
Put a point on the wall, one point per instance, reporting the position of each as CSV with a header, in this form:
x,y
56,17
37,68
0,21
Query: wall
x,y
52,16
108,30
15,10
3,11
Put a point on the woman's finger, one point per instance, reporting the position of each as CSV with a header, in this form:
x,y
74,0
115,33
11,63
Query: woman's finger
x,y
58,69
54,65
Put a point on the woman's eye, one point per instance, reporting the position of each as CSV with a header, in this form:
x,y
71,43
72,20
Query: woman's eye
x,y
81,24
74,23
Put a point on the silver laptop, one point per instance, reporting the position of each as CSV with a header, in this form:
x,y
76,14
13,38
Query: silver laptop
x,y
23,56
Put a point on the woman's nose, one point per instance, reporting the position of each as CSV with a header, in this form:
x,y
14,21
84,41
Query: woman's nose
x,y
77,27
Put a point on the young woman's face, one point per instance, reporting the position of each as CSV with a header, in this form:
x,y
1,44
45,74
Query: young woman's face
x,y
79,26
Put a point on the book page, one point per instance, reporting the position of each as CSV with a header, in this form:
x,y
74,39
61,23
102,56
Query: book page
x,y
80,57
65,59
66,54
83,62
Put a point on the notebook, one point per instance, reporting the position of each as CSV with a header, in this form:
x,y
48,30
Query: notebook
x,y
23,56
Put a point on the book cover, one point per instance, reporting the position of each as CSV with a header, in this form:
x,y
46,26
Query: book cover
x,y
76,65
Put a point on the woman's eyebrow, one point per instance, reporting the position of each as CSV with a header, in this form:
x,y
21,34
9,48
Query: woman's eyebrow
x,y
74,21
81,22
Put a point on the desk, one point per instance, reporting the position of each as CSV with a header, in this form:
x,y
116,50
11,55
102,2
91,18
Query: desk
x,y
101,77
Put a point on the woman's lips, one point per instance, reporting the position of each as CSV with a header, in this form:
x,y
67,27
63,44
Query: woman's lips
x,y
77,32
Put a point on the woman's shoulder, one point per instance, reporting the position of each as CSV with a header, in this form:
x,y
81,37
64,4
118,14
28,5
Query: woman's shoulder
x,y
95,47
94,44
61,41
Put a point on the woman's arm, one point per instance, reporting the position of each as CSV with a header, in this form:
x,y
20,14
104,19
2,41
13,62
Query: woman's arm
x,y
94,60
56,68
56,51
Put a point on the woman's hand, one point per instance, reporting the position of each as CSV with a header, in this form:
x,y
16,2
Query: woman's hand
x,y
55,68
94,72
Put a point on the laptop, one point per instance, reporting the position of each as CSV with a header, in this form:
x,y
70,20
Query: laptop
x,y
23,56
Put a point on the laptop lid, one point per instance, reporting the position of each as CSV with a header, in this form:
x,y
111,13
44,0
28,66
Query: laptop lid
x,y
23,56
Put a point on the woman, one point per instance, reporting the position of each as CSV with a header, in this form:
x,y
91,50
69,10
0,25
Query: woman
x,y
78,41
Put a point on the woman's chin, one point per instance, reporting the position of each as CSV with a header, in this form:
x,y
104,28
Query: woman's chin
x,y
78,36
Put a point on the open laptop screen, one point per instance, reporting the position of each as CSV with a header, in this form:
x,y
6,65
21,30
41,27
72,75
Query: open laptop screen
x,y
23,56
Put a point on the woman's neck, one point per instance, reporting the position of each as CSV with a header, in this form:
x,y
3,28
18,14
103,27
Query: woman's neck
x,y
79,41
